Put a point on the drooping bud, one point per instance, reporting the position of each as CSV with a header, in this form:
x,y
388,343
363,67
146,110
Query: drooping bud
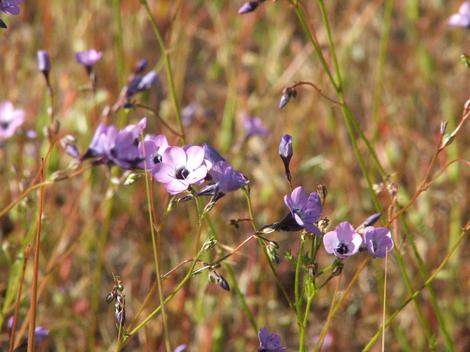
x,y
287,94
140,66
215,277
271,250
68,143
286,152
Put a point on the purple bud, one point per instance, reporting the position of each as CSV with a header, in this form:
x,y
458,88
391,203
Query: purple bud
x,y
141,65
44,63
248,7
283,101
147,81
215,277
287,94
286,152
371,220
285,147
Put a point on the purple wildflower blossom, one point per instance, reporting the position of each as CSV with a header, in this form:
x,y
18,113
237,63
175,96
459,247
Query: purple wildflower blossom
x,y
343,242
269,342
378,241
11,7
88,57
180,168
305,209
122,146
254,127
98,143
40,334
152,148
226,177
10,119
462,18
147,81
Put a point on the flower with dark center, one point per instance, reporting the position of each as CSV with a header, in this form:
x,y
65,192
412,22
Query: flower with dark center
x,y
10,119
269,342
343,242
152,148
378,241
305,209
180,168
462,18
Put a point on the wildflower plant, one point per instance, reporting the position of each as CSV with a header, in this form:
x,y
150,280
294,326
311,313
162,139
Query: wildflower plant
x,y
260,229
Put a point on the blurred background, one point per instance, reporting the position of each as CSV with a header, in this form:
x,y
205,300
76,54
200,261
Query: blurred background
x,y
400,86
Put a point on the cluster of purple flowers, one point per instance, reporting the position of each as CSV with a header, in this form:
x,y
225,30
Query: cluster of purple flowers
x,y
177,168
346,241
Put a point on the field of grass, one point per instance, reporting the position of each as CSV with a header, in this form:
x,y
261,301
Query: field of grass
x,y
378,102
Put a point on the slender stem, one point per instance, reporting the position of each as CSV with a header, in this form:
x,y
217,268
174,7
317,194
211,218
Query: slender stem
x,y
304,324
271,264
18,299
420,290
298,301
156,257
169,71
34,289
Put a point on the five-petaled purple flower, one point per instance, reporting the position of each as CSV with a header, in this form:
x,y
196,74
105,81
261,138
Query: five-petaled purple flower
x,y
343,242
306,209
269,342
10,119
152,149
254,127
378,241
462,18
181,168
88,57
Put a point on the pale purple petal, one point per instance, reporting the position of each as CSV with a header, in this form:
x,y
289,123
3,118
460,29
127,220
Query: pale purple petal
x,y
163,173
195,155
176,186
175,156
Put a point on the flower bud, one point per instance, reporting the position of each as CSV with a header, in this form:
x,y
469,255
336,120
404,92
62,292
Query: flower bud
x,y
286,152
44,63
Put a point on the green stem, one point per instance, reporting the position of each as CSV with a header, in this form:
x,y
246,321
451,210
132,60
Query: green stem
x,y
417,292
168,69
304,324
156,257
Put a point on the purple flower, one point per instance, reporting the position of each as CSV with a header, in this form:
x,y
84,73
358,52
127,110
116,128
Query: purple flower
x,y
226,177
462,18
378,241
11,7
343,242
152,149
44,63
88,57
98,143
181,168
269,342
10,119
211,156
122,146
254,127
305,209
286,152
